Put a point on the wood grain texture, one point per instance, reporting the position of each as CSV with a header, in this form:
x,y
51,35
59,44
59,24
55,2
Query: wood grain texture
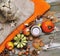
x,y
40,8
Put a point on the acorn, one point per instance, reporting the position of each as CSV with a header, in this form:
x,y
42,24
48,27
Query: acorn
x,y
30,38
20,53
13,51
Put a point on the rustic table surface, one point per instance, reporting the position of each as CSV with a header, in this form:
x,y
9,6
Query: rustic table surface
x,y
55,6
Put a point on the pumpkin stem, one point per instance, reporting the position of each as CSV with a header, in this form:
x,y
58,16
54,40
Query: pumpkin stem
x,y
49,27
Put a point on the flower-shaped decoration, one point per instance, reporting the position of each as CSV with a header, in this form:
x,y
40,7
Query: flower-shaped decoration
x,y
20,40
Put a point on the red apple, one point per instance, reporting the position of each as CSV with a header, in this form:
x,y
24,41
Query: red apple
x,y
26,31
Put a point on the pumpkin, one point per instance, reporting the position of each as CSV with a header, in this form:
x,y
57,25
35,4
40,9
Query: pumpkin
x,y
47,26
20,41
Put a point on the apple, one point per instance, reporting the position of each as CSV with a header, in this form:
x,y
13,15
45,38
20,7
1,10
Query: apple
x,y
9,45
26,31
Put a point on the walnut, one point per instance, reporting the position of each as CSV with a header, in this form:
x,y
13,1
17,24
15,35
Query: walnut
x,y
50,15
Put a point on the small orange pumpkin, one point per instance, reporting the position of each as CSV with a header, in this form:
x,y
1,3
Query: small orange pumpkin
x,y
47,26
